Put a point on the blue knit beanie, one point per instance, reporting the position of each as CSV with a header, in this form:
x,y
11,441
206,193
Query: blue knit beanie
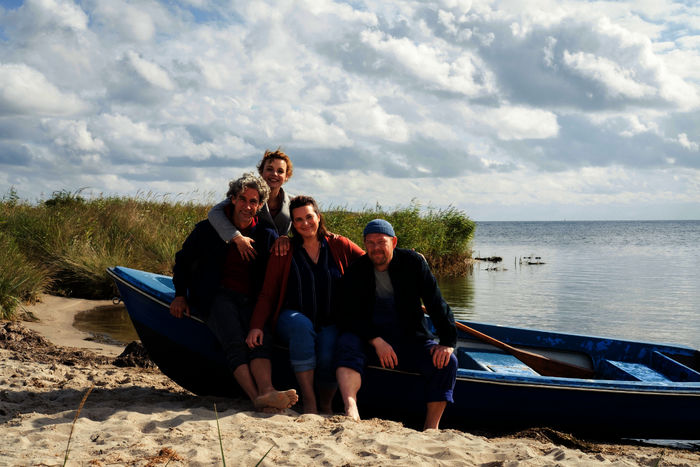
x,y
379,226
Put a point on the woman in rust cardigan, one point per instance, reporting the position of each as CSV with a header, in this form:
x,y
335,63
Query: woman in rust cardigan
x,y
298,297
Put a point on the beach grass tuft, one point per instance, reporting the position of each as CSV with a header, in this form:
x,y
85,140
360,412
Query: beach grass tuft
x,y
75,419
21,280
64,244
264,456
221,443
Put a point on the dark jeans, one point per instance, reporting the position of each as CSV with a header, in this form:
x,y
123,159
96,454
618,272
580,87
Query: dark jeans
x,y
413,355
229,320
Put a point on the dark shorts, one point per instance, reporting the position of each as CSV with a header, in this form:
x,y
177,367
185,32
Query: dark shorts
x,y
229,320
413,355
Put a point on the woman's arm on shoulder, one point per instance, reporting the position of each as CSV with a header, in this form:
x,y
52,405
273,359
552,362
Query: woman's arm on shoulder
x,y
221,223
355,251
344,250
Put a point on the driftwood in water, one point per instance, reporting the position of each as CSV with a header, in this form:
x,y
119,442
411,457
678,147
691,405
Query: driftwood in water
x,y
492,259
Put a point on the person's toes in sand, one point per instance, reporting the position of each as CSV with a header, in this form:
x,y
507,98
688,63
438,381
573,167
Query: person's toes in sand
x,y
277,399
271,410
351,410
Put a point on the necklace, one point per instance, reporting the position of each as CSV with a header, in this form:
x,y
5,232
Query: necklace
x,y
313,250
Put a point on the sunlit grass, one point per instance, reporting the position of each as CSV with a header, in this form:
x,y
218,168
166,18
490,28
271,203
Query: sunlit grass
x,y
21,280
443,236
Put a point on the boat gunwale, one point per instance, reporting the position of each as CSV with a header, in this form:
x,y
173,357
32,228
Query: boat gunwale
x,y
534,381
577,384
111,272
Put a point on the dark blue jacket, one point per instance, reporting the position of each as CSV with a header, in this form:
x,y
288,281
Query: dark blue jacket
x,y
198,265
412,282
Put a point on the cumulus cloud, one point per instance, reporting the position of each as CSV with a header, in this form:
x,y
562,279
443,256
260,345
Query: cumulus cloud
x,y
458,72
686,143
524,123
26,91
365,117
42,16
130,21
149,71
615,80
74,134
449,101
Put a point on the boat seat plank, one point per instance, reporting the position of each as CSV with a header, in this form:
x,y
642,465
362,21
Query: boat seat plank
x,y
501,363
674,369
639,372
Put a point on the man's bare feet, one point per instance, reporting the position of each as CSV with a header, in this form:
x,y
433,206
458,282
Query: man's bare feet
x,y
351,410
277,399
271,410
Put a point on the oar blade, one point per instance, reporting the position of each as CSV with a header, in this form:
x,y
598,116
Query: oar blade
x,y
545,366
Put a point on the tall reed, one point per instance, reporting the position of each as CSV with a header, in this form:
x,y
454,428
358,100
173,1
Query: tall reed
x,y
443,236
64,244
75,239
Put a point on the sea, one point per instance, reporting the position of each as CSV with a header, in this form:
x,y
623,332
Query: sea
x,y
637,280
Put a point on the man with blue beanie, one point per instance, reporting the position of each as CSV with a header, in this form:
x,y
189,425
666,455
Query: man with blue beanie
x,y
382,322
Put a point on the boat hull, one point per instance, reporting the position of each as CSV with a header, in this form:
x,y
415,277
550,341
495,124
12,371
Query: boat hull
x,y
500,398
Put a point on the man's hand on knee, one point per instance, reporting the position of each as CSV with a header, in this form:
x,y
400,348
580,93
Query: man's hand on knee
x,y
385,353
255,338
441,355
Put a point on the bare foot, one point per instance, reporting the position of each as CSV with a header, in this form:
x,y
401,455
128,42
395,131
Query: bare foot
x,y
277,399
271,410
351,410
309,403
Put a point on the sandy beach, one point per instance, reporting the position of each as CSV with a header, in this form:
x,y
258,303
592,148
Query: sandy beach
x,y
137,416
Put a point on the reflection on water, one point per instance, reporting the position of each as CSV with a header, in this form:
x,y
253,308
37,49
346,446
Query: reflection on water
x,y
109,324
630,280
459,293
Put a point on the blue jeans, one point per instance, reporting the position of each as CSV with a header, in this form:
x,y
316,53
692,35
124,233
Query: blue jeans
x,y
309,348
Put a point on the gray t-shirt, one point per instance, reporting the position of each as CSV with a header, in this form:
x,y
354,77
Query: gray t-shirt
x,y
383,284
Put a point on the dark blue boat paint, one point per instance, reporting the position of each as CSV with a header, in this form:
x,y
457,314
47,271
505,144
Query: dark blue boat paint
x,y
620,402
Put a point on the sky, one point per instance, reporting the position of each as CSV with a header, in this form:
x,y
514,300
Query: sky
x,y
506,110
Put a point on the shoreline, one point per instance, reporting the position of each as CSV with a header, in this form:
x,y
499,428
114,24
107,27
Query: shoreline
x,y
138,416
55,316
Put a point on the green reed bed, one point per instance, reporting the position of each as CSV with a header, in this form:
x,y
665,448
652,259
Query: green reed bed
x,y
64,244
443,236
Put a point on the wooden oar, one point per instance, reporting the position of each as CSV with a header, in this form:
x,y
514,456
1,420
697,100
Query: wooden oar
x,y
541,364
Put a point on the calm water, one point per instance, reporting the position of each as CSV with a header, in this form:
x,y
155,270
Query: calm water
x,y
109,324
633,280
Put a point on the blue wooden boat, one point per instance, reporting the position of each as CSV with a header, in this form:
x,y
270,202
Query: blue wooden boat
x,y
639,390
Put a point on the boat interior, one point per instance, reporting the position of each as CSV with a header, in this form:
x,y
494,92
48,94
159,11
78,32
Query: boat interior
x,y
657,367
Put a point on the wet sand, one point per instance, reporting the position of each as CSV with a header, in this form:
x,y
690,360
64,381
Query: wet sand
x,y
137,416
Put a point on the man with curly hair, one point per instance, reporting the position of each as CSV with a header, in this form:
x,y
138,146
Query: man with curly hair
x,y
214,281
